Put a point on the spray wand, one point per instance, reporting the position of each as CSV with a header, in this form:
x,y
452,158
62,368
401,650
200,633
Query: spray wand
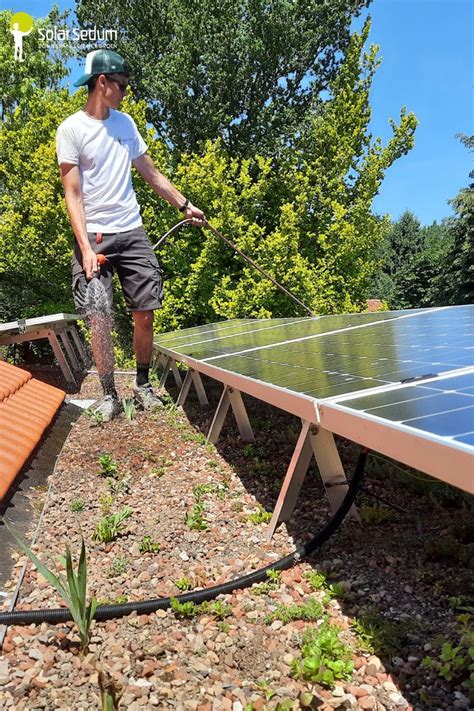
x,y
101,259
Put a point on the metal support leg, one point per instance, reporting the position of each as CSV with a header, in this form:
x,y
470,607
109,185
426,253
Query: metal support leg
x,y
201,393
231,397
69,377
77,340
183,393
319,442
165,373
192,377
240,414
330,467
177,376
63,335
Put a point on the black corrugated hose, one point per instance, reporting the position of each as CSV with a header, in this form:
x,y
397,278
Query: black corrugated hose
x,y
145,607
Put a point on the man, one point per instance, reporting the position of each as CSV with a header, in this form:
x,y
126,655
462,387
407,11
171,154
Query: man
x,y
96,148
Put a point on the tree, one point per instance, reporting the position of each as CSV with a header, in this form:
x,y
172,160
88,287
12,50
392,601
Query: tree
x,y
43,67
460,278
246,72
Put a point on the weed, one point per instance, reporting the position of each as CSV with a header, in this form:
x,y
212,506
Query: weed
x,y
374,515
184,584
266,690
316,581
248,451
120,486
72,589
184,609
224,627
77,505
195,519
96,417
148,545
260,516
377,634
274,580
161,468
324,657
129,408
107,465
105,502
111,525
311,610
197,437
448,549
218,608
455,661
110,692
119,566
262,468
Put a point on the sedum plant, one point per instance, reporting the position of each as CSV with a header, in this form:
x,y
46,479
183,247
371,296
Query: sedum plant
x,y
111,525
72,588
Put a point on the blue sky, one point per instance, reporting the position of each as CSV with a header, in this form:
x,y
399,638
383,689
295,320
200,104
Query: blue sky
x,y
426,48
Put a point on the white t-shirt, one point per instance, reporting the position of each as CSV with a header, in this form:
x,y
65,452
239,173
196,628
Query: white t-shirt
x,y
103,150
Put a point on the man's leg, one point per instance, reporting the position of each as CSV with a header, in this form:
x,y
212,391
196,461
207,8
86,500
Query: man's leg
x,y
143,346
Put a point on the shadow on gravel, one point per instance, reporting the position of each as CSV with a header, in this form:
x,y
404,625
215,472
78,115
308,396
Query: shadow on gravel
x,y
405,592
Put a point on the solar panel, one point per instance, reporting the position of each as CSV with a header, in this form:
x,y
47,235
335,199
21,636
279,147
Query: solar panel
x,y
410,370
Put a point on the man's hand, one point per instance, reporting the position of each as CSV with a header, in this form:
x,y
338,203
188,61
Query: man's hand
x,y
195,214
89,264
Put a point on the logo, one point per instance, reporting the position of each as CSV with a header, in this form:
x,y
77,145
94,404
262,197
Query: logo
x,y
21,25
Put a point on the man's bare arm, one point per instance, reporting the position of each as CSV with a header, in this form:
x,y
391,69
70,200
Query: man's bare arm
x,y
165,189
75,207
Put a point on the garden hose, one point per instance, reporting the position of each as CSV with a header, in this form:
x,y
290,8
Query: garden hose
x,y
146,607
101,259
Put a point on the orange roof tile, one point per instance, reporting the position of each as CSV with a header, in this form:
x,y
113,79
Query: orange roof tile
x,y
27,407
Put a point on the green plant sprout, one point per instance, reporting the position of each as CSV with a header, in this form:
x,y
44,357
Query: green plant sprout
x,y
77,505
72,588
148,545
260,516
324,657
107,465
129,408
120,565
195,519
183,584
110,526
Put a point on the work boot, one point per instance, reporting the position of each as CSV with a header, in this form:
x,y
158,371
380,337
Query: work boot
x,y
107,408
145,397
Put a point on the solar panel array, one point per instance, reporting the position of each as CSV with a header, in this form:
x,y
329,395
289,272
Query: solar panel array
x,y
412,368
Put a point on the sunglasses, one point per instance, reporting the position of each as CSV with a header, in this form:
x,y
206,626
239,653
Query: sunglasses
x,y
123,85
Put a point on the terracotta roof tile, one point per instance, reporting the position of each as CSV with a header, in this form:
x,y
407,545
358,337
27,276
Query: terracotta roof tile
x,y
27,407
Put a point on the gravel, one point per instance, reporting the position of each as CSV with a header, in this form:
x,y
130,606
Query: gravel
x,y
205,663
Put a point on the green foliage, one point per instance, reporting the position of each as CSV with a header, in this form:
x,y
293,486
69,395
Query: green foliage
x,y
447,549
148,545
380,635
310,610
260,516
184,584
273,583
77,505
110,526
184,609
195,519
105,503
107,465
72,589
120,565
245,72
325,659
455,661
217,608
129,408
374,515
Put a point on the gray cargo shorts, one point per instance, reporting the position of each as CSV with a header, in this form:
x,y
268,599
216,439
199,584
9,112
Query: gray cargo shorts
x,y
131,256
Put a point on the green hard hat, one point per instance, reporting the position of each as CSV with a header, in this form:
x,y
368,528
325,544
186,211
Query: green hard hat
x,y
103,61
